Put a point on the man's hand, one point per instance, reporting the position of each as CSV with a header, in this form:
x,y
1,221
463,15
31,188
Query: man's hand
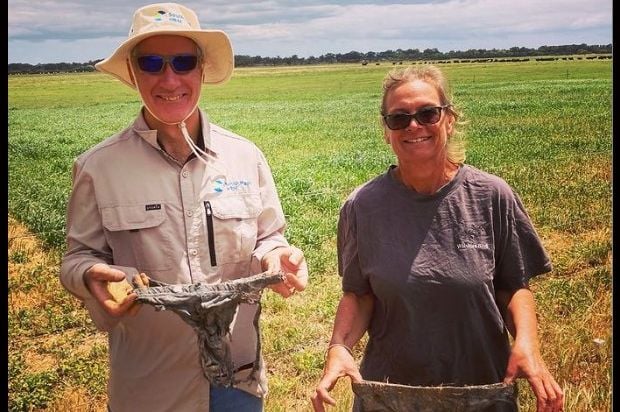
x,y
292,262
98,280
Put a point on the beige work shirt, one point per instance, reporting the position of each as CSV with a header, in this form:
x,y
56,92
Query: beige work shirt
x,y
134,207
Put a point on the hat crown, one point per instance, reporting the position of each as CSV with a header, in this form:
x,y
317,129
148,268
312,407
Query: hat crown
x,y
176,20
163,16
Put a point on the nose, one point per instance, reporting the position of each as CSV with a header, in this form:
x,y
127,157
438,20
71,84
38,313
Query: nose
x,y
413,120
168,75
167,70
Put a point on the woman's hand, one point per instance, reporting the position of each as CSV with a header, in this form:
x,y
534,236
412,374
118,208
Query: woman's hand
x,y
339,363
528,363
525,360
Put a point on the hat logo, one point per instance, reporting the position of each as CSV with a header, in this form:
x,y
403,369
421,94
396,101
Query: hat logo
x,y
172,17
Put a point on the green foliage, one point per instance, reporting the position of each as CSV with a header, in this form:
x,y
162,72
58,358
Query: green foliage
x,y
18,256
29,391
87,370
32,391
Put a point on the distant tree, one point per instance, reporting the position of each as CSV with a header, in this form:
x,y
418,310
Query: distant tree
x,y
395,56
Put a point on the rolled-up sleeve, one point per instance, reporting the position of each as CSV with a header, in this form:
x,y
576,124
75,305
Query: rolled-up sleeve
x,y
86,243
86,246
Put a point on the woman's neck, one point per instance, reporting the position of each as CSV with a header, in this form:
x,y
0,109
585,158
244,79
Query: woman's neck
x,y
426,180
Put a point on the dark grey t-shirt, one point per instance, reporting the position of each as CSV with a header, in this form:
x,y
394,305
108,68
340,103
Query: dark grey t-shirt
x,y
433,264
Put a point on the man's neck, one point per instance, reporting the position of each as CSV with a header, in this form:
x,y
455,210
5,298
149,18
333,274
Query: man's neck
x,y
170,137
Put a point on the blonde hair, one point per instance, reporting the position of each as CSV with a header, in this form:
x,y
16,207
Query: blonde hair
x,y
435,77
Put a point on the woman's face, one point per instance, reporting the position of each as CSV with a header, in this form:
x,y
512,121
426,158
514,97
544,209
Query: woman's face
x,y
418,143
168,95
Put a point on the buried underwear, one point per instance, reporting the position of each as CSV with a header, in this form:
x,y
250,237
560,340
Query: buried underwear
x,y
210,309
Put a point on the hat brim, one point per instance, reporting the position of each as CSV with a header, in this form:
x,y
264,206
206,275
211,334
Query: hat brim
x,y
217,55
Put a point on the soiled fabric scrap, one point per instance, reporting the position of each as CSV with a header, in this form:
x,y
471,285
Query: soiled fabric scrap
x,y
210,310
386,397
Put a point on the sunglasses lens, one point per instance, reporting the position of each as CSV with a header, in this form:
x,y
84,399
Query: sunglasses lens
x,y
398,121
181,63
151,63
430,115
184,63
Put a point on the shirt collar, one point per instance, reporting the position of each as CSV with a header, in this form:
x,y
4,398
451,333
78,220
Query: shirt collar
x,y
150,135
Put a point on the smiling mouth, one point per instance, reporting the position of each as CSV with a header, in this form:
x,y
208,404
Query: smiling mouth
x,y
418,140
171,98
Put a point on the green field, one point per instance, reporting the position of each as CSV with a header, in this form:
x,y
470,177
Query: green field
x,y
545,127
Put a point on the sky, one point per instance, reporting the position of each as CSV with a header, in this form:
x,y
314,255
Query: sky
x,y
54,31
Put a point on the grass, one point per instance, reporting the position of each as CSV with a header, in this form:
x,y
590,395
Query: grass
x,y
545,127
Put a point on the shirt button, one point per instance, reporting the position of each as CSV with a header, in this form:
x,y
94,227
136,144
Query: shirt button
x,y
189,213
193,252
185,173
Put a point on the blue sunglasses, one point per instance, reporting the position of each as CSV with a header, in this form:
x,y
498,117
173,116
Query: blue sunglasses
x,y
180,63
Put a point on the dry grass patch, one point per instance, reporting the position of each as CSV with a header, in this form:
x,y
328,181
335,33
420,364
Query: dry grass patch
x,y
54,352
77,400
37,362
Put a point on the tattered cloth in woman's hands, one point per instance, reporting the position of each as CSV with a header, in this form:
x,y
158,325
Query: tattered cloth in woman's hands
x,y
387,397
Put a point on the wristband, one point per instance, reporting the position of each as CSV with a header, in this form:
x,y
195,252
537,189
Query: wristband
x,y
342,345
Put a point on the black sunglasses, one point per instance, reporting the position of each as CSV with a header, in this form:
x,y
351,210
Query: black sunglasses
x,y
425,116
180,63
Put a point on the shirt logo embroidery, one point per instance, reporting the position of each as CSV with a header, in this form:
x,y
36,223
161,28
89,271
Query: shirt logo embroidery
x,y
155,206
470,237
221,185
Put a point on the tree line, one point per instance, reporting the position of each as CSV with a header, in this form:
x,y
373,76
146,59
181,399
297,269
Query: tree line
x,y
393,56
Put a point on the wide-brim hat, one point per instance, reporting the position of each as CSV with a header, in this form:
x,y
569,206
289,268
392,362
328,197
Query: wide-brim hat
x,y
173,19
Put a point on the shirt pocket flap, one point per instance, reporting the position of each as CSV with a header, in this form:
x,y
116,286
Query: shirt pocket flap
x,y
239,207
116,218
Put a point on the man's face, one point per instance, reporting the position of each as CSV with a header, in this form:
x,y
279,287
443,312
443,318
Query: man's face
x,y
170,96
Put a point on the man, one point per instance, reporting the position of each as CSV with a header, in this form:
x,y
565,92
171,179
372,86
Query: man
x,y
183,201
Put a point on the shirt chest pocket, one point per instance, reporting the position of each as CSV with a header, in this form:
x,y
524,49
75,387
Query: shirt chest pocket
x,y
231,225
138,236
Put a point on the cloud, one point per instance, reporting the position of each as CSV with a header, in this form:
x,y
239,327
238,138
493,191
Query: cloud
x,y
449,25
65,20
284,28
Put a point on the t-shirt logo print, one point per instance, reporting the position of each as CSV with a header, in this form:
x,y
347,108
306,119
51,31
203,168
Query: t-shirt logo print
x,y
471,237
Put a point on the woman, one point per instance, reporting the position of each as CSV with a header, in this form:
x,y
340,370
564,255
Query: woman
x,y
435,257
